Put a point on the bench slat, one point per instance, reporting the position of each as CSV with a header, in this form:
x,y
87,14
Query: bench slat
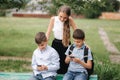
x,y
26,76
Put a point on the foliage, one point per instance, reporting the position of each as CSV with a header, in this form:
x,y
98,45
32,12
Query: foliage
x,y
10,4
107,70
89,8
92,9
111,5
73,4
53,8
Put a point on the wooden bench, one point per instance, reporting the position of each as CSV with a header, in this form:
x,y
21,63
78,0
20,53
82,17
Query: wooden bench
x,y
26,76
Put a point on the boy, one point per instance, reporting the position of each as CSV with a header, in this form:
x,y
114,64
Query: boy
x,y
45,60
77,66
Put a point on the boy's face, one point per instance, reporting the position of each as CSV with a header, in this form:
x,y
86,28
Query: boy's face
x,y
78,42
43,45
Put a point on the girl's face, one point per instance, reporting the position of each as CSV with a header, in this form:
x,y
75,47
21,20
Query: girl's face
x,y
63,16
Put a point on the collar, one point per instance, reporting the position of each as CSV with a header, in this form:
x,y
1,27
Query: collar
x,y
43,49
82,47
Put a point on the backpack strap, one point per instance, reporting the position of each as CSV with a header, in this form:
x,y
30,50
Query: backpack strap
x,y
90,71
71,49
85,54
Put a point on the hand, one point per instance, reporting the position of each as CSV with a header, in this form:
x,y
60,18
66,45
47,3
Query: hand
x,y
77,60
42,67
71,56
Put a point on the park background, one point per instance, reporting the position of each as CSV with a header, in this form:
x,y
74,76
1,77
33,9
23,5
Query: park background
x,y
17,33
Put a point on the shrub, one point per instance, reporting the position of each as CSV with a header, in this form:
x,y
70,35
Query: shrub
x,y
92,9
107,71
89,8
2,12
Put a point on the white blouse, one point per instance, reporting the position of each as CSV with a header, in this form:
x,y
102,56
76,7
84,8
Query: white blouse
x,y
58,28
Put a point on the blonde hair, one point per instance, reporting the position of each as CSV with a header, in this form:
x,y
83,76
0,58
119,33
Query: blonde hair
x,y
66,28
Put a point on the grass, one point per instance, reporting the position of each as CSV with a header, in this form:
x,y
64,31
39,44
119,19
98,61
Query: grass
x,y
17,35
17,39
17,66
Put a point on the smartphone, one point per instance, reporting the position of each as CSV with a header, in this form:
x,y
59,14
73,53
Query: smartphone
x,y
72,57
39,65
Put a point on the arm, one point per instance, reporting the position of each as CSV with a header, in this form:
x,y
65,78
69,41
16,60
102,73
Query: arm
x,y
72,23
34,64
89,61
86,65
55,65
67,59
50,26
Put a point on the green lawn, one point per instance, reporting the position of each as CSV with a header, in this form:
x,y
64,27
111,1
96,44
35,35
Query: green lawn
x,y
17,34
17,38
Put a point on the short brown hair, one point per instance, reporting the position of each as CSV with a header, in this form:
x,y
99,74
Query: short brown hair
x,y
40,37
78,34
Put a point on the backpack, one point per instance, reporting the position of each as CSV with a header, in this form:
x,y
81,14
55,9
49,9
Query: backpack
x,y
90,71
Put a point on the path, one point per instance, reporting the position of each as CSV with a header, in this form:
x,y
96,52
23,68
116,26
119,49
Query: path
x,y
15,58
115,54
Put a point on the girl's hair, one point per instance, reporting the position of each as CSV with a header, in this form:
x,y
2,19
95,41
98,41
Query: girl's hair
x,y
40,37
66,28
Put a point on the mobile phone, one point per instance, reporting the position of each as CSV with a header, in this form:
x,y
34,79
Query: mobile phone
x,y
72,57
39,65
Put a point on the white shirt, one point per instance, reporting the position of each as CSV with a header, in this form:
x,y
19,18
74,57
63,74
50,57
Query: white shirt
x,y
48,57
58,28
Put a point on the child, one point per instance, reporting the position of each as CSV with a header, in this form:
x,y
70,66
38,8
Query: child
x,y
45,60
60,25
77,66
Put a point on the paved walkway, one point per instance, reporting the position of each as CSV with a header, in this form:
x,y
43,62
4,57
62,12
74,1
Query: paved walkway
x,y
115,54
15,58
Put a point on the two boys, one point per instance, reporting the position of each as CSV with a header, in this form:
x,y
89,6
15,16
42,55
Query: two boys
x,y
45,60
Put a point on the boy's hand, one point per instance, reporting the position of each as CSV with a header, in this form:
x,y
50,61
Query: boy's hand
x,y
42,67
77,60
71,56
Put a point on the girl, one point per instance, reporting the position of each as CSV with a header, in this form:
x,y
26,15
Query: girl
x,y
60,25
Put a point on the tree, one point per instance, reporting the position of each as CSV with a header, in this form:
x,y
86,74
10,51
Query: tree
x,y
89,8
9,4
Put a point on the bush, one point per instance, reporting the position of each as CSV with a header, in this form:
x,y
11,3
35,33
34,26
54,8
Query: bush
x,y
107,71
92,9
89,8
2,13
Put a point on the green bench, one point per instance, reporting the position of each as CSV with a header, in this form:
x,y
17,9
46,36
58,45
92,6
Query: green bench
x,y
92,77
26,76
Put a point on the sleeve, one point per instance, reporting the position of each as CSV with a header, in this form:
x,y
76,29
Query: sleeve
x,y
34,64
67,51
55,64
90,55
